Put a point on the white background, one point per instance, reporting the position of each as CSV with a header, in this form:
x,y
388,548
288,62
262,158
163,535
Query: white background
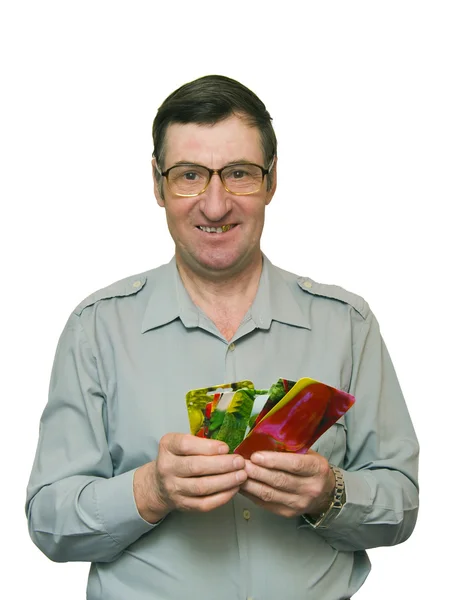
x,y
360,97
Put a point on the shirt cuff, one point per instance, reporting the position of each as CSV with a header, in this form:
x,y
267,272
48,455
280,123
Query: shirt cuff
x,y
358,503
115,506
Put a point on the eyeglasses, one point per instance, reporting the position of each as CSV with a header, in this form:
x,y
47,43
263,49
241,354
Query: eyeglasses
x,y
240,179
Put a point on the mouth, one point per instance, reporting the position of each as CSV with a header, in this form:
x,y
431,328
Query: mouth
x,y
222,229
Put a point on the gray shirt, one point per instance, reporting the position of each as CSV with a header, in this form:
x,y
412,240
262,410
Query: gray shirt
x,y
124,362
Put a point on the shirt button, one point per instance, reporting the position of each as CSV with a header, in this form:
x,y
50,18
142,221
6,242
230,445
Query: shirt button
x,y
136,284
308,284
246,514
232,347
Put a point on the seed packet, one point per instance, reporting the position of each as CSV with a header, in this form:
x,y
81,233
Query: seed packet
x,y
298,419
221,412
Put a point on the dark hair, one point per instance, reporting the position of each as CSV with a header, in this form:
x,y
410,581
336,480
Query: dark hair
x,y
208,100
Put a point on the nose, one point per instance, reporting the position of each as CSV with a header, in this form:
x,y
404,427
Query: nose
x,y
215,202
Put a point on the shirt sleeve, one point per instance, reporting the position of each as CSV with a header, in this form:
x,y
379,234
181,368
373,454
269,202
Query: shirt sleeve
x,y
77,510
381,460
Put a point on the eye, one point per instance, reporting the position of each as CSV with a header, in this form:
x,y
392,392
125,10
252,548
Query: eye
x,y
238,174
187,174
190,175
242,173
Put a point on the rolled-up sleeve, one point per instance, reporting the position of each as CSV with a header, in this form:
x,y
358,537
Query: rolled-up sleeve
x,y
77,510
381,460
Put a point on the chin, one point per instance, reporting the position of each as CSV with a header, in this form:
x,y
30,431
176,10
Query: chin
x,y
219,262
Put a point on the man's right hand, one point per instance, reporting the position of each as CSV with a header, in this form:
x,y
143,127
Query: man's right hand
x,y
190,473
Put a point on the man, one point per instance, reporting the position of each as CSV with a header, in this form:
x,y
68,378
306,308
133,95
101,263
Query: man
x,y
119,481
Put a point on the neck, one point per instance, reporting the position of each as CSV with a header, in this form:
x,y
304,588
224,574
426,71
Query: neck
x,y
224,297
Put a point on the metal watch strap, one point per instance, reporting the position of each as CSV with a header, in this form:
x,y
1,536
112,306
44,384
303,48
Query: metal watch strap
x,y
336,505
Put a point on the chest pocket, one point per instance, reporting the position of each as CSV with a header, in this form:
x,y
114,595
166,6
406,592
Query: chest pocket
x,y
332,444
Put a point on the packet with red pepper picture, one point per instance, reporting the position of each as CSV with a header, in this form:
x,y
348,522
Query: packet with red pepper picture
x,y
304,413
289,417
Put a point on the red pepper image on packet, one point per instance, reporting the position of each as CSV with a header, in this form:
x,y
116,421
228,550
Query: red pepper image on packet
x,y
296,421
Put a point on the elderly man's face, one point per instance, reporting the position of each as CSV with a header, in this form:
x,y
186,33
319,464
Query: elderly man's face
x,y
229,141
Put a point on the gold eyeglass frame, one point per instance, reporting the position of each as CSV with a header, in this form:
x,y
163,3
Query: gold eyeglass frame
x,y
218,172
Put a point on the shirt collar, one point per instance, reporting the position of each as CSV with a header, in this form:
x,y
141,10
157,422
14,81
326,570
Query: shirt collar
x,y
168,300
275,300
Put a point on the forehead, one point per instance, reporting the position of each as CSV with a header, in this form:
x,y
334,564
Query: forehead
x,y
229,140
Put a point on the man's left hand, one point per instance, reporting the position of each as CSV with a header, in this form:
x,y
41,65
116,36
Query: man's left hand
x,y
289,484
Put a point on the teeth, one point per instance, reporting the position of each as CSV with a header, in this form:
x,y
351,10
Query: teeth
x,y
222,229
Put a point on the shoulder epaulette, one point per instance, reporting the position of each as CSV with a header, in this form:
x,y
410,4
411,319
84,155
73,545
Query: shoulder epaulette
x,y
124,287
336,293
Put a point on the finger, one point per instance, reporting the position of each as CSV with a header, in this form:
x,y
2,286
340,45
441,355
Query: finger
x,y
198,466
278,509
305,465
185,444
206,486
207,503
266,496
281,480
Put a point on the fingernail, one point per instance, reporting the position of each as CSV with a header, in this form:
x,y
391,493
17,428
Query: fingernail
x,y
258,457
223,449
238,462
241,476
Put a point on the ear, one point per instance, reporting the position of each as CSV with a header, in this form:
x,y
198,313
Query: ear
x,y
157,184
270,193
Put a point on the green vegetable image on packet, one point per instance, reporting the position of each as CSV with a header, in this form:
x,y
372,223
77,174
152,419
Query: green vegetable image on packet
x,y
222,412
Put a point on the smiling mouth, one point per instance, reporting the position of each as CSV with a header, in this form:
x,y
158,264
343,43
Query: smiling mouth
x,y
222,229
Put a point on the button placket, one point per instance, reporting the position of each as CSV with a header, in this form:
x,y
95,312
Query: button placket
x,y
243,525
230,363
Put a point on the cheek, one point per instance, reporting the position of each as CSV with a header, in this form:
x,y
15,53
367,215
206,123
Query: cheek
x,y
177,210
174,224
257,217
178,218
253,208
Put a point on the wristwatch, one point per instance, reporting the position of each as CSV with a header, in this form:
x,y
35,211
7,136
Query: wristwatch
x,y
336,505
